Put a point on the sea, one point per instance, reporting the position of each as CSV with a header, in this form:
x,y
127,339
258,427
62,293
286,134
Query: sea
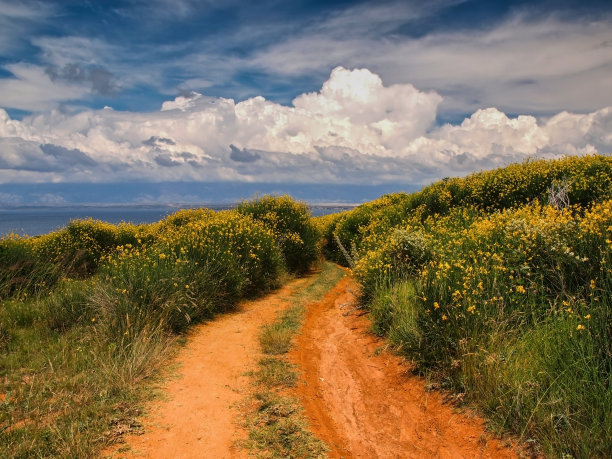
x,y
37,220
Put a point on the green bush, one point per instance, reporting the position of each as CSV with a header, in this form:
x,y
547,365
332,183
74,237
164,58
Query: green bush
x,y
290,222
79,247
499,295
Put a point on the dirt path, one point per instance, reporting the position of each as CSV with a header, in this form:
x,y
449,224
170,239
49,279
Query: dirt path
x,y
366,405
196,419
362,402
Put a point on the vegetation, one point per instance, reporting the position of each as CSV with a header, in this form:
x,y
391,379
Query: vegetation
x,y
496,287
290,222
90,312
277,426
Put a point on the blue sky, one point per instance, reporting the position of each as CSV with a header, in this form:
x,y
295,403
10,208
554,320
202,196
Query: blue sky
x,y
297,91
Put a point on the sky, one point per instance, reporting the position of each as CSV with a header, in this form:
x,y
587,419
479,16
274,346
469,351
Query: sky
x,y
330,93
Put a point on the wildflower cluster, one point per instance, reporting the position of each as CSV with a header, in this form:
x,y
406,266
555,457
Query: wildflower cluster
x,y
587,178
503,294
291,224
186,267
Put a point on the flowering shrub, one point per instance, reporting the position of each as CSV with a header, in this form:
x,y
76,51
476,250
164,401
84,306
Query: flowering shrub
x,y
291,224
403,254
588,179
79,247
500,295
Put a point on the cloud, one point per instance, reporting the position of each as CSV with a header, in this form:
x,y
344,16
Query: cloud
x,y
355,129
17,20
528,60
539,65
103,66
31,88
74,157
155,141
101,80
10,198
244,155
574,134
22,155
165,160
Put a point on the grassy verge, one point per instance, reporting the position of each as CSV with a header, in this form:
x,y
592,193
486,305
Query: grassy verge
x,y
89,313
277,426
65,394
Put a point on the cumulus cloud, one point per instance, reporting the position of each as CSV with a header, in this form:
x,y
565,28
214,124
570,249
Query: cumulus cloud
x,y
355,129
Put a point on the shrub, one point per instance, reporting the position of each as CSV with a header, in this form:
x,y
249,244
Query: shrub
x,y
290,222
229,239
185,216
79,247
501,296
404,254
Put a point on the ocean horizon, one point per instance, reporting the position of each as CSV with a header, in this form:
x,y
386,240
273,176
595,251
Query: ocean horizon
x,y
34,220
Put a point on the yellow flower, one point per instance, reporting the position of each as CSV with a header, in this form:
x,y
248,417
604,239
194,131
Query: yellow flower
x,y
520,289
444,317
436,305
186,285
580,327
587,317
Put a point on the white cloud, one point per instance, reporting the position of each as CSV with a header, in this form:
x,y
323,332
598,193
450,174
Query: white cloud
x,y
354,130
16,20
521,65
490,131
574,134
31,88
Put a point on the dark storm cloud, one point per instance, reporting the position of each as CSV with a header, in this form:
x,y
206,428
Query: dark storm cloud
x,y
244,155
154,141
165,160
101,79
74,157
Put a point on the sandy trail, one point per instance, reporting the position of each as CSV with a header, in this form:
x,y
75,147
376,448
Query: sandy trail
x,y
196,419
369,406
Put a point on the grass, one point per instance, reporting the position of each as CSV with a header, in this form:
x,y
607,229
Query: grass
x,y
277,426
89,314
275,372
275,338
67,394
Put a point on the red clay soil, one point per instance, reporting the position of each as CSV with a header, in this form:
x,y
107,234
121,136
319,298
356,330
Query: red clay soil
x,y
366,404
197,419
